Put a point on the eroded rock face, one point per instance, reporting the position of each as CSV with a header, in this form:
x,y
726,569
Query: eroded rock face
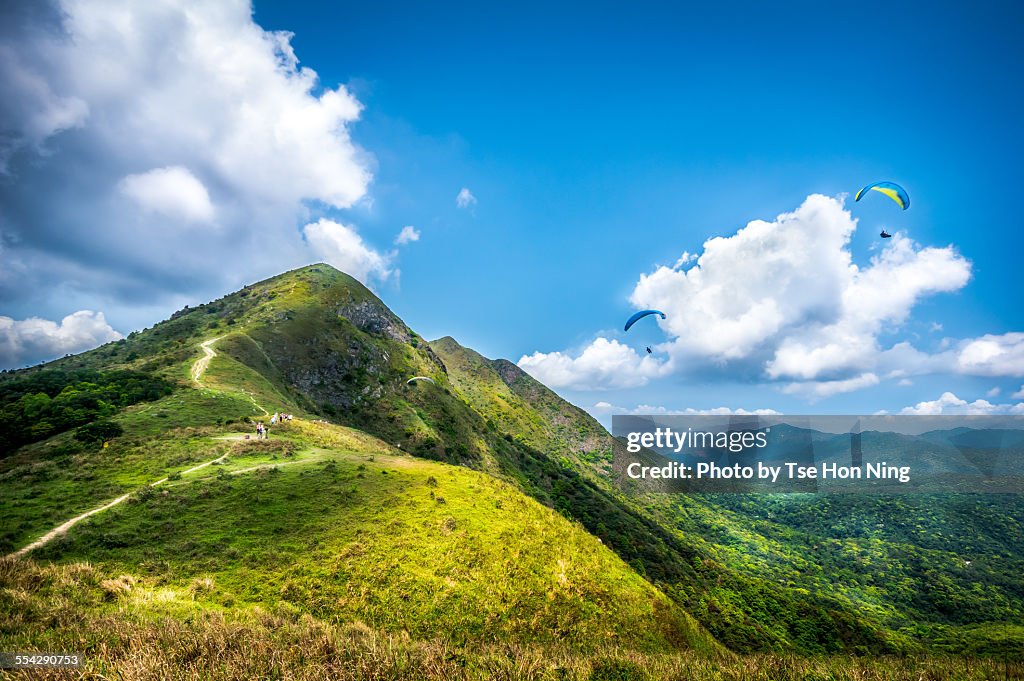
x,y
344,379
373,319
347,356
376,320
508,371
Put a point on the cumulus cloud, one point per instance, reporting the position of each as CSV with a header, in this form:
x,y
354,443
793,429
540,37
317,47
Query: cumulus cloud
x,y
341,246
949,403
884,293
1019,395
685,259
34,339
788,290
785,301
823,389
172,191
606,408
604,364
745,290
407,235
465,198
124,122
992,355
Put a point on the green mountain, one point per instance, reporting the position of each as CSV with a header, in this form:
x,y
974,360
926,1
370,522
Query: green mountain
x,y
443,517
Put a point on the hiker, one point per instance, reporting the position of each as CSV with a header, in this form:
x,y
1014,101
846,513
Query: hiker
x,y
259,430
273,419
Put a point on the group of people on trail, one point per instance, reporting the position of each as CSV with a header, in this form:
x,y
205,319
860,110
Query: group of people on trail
x,y
263,431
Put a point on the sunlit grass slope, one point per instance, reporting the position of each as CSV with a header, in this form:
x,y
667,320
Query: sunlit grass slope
x,y
296,525
132,627
404,545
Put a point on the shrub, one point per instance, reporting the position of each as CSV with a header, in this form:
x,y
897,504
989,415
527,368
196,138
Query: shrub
x,y
98,431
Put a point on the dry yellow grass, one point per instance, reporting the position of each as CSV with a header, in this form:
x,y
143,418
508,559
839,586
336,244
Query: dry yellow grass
x,y
151,632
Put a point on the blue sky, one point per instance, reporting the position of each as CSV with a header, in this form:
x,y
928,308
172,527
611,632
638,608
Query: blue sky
x,y
602,141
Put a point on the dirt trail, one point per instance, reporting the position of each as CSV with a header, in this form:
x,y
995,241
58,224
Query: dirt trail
x,y
203,362
200,366
63,528
197,372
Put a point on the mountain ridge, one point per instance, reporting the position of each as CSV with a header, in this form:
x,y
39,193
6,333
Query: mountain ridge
x,y
317,343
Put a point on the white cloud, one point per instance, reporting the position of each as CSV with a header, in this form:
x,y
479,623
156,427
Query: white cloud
x,y
949,403
341,246
602,364
465,199
784,299
992,355
407,235
606,408
789,291
188,109
822,389
747,289
994,392
1019,395
171,191
34,339
883,293
685,259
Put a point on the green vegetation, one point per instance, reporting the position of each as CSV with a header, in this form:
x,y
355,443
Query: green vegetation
x,y
39,404
463,529
944,569
135,627
345,538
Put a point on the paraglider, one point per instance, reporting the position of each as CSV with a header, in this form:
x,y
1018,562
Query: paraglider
x,y
890,189
419,378
649,351
885,235
640,315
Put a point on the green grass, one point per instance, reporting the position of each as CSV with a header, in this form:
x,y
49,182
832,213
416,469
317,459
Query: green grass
x,y
132,627
328,534
399,543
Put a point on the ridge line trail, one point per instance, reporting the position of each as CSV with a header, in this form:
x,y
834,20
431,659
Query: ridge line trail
x,y
200,366
67,525
203,362
197,372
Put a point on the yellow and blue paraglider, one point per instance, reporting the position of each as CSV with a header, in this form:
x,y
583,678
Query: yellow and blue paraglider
x,y
640,315
890,189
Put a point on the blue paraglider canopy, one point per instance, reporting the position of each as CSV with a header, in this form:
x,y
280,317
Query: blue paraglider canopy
x,y
640,315
890,189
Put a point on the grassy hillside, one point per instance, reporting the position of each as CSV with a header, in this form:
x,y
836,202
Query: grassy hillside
x,y
473,512
363,535
518,404
131,627
564,458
